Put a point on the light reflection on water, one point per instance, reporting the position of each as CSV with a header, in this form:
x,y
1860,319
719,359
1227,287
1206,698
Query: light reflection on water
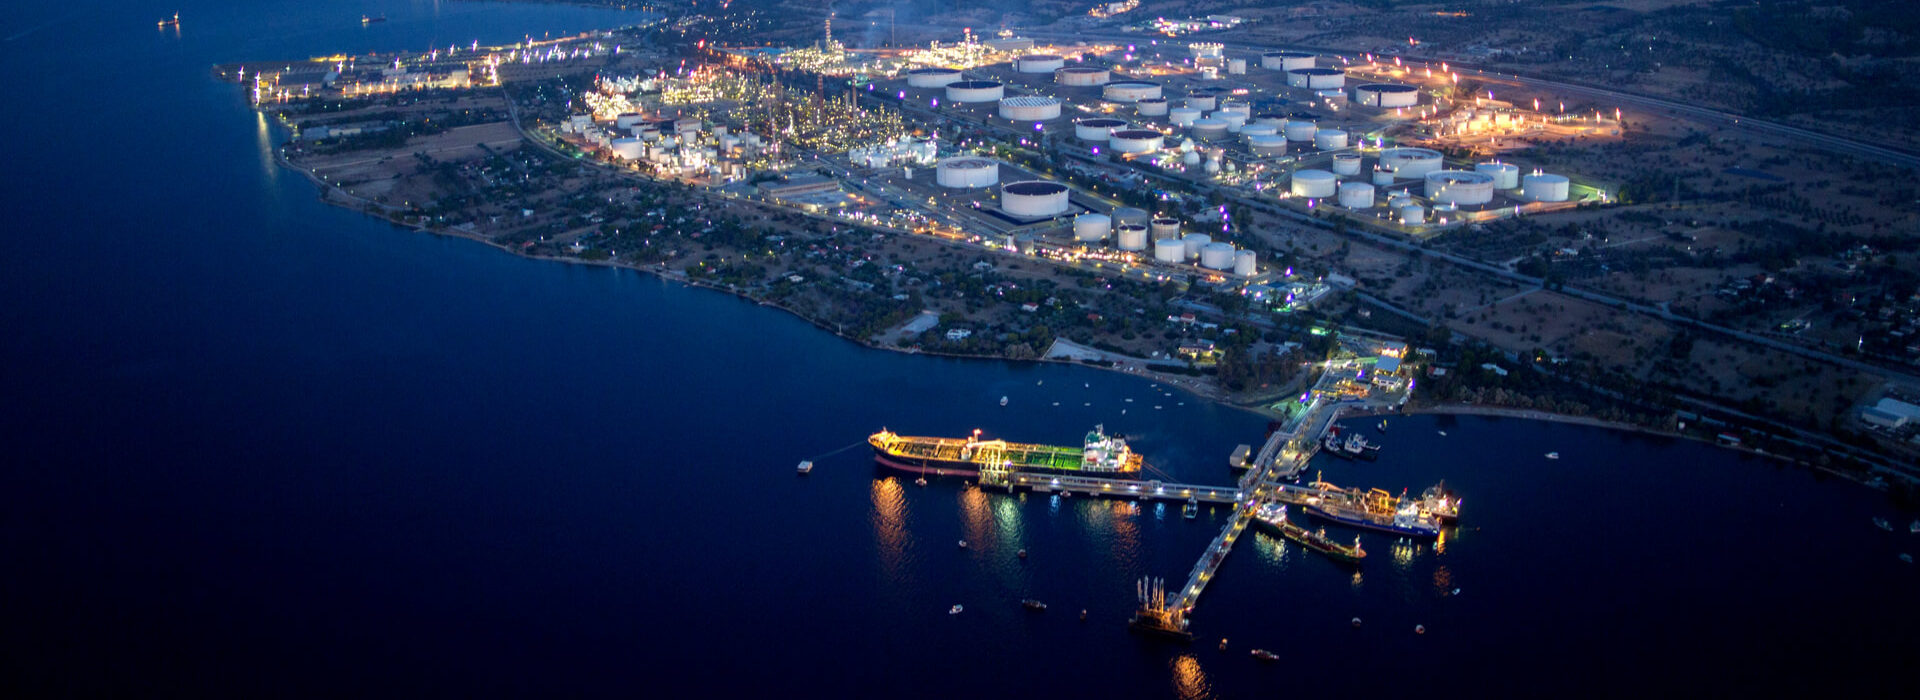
x,y
1189,680
890,526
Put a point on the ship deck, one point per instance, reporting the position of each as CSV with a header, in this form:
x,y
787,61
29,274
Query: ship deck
x,y
1020,456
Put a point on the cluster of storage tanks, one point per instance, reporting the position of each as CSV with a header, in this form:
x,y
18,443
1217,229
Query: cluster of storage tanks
x,y
1135,232
1446,190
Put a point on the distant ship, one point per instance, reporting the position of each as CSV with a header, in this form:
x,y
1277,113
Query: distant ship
x,y
368,19
1099,454
175,22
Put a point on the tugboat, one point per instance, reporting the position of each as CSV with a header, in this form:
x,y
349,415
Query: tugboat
x,y
1265,655
1354,447
1272,517
1033,605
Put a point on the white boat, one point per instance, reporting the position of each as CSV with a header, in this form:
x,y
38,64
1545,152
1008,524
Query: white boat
x,y
806,466
963,544
1914,527
955,610
922,481
1003,400
1883,524
1553,455
1443,433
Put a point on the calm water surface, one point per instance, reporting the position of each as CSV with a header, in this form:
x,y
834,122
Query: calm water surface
x,y
259,446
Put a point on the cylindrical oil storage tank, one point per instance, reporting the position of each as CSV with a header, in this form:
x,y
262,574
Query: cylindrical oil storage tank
x,y
1039,63
1203,101
1130,91
932,77
1170,251
1217,256
1246,263
1151,107
1097,128
1165,227
1410,162
1317,78
1382,177
1328,139
1459,187
1131,238
1506,176
1236,66
1090,227
1412,215
1130,216
1266,144
1237,107
629,148
1545,187
627,120
1286,60
1346,164
967,171
1251,130
1194,242
1136,140
1300,130
1356,195
1208,128
1386,95
1234,120
1183,116
1029,108
1313,183
1033,198
976,91
1274,118
1399,201
1081,76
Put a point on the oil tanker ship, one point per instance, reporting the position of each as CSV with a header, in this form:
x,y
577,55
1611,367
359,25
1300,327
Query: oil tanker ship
x,y
1406,519
1099,454
1272,517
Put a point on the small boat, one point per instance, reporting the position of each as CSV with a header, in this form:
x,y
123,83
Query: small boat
x,y
1264,655
955,610
175,22
1908,558
1038,383
1382,427
1553,455
1883,524
1356,623
1914,527
806,466
1033,605
1443,433
1192,510
1056,403
1223,643
1083,614
922,481
1022,554
963,544
368,19
1003,400
1419,629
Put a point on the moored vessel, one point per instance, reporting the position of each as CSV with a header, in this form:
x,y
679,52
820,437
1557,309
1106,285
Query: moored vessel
x,y
1098,455
1272,517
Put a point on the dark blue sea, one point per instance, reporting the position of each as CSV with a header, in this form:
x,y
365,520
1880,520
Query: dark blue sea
x,y
258,446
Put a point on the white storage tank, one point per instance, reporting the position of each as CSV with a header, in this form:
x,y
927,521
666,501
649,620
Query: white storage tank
x,y
1236,66
1274,118
1208,128
1151,107
1545,187
1410,162
1266,144
627,120
1217,256
1130,216
1097,128
629,148
967,171
1413,215
1382,177
1346,164
1356,195
1386,95
1314,183
1317,78
1166,227
1190,158
1130,91
1131,238
1329,139
1286,60
1170,251
1399,201
1203,101
1194,242
1033,198
1246,263
1183,116
1236,107
1136,140
1506,176
1081,76
1029,108
1300,131
1039,63
1090,227
1251,130
932,77
1459,187
976,91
